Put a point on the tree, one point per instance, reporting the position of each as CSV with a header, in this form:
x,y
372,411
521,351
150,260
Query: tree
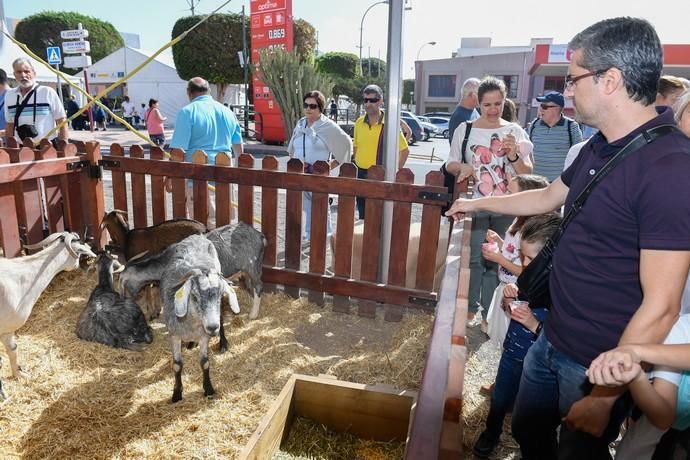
x,y
211,49
338,63
289,78
305,39
378,67
408,92
42,30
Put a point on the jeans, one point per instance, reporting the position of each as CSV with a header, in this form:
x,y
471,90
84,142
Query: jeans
x,y
306,206
503,397
483,274
361,201
551,383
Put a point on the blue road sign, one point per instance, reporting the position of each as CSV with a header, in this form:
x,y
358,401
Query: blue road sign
x,y
53,53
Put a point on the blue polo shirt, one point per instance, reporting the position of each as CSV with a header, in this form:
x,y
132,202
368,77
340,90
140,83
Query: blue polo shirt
x,y
207,125
551,145
642,204
460,115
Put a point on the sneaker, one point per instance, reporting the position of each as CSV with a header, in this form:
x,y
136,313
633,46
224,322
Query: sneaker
x,y
487,390
484,446
476,320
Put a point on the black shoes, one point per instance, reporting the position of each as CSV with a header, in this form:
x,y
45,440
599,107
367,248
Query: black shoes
x,y
484,446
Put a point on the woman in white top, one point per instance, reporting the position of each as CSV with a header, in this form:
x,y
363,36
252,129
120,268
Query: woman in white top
x,y
317,138
492,156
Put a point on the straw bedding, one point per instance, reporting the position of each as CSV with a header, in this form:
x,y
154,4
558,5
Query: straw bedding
x,y
86,400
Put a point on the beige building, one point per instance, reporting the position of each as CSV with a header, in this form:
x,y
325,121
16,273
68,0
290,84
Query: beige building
x,y
438,82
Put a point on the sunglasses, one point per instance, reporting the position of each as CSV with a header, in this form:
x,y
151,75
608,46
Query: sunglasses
x,y
547,106
372,100
311,106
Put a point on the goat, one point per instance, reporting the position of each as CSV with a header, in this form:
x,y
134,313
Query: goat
x,y
107,318
240,250
23,279
191,292
151,239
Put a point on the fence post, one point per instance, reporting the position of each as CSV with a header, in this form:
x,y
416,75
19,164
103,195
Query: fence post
x,y
9,226
92,194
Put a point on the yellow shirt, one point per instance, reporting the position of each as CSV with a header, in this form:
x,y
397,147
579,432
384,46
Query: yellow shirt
x,y
366,141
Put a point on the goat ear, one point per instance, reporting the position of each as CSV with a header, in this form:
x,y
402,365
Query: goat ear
x,y
181,298
232,297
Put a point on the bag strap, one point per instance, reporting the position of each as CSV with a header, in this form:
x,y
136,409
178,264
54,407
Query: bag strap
x,y
468,128
642,139
570,132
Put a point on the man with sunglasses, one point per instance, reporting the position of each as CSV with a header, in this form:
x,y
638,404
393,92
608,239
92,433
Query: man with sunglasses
x,y
552,134
620,265
368,138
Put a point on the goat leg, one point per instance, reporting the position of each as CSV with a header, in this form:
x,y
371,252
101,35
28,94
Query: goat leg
x,y
256,303
177,369
3,396
223,340
10,343
206,366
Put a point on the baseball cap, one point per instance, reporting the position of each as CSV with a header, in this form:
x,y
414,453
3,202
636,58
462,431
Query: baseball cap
x,y
553,96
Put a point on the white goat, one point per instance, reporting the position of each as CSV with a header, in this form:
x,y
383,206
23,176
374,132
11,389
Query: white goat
x,y
23,279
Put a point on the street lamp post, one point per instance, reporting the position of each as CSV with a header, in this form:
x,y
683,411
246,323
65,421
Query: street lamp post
x,y
361,30
420,48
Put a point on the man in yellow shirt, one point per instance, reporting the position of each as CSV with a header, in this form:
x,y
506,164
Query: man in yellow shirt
x,y
368,139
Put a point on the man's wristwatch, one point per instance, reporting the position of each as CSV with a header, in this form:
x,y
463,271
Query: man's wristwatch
x,y
539,328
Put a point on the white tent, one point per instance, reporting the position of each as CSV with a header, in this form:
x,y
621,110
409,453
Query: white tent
x,y
157,80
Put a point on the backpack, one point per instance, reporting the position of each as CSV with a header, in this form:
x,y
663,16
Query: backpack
x,y
570,133
448,178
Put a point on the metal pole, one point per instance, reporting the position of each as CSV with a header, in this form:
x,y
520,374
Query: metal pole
x,y
86,84
59,85
392,126
361,30
246,75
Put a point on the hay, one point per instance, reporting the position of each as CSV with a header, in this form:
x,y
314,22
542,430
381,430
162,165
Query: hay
x,y
86,400
310,440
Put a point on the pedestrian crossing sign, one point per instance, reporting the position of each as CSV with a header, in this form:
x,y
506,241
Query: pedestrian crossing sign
x,y
53,53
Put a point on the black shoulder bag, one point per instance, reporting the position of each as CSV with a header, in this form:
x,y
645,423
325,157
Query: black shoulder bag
x,y
25,131
534,279
448,178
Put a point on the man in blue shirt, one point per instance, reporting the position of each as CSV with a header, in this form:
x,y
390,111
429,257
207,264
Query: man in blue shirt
x,y
205,124
467,108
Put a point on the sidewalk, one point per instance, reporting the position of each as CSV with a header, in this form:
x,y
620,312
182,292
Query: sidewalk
x,y
127,138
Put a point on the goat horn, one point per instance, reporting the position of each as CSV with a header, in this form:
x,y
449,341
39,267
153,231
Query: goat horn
x,y
68,242
45,242
121,212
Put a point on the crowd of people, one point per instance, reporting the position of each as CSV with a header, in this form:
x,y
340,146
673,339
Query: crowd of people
x,y
578,347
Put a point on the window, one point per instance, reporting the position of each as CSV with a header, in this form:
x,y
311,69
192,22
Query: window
x,y
554,84
442,85
511,82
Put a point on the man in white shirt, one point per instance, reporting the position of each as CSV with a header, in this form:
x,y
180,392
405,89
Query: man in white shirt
x,y
32,111
127,110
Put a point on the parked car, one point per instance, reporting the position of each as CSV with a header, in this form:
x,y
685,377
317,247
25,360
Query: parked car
x,y
416,127
429,128
438,114
441,123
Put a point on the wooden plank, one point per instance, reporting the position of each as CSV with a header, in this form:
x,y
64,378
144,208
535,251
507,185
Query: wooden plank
x,y
223,204
245,193
342,265
139,205
318,242
293,226
269,214
9,226
200,190
179,187
400,236
67,152
371,242
93,206
367,411
428,246
274,426
349,287
28,198
53,194
119,180
295,180
158,194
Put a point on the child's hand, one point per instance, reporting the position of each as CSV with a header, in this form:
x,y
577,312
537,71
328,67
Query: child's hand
x,y
491,256
524,316
615,367
492,237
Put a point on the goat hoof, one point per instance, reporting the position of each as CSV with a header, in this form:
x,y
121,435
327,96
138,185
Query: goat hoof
x,y
177,396
209,392
22,374
223,347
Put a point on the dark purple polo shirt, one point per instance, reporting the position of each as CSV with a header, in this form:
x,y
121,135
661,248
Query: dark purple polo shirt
x,y
644,203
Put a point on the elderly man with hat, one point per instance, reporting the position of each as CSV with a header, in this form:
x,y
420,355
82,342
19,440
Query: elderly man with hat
x,y
552,134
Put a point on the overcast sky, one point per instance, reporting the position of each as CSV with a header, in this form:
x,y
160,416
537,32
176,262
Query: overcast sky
x,y
507,22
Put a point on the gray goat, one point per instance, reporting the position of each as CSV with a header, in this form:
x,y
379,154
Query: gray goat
x,y
191,291
109,319
241,251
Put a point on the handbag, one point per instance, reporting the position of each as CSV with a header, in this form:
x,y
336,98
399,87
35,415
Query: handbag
x,y
534,279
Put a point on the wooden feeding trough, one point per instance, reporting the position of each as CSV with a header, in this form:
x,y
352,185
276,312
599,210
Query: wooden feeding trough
x,y
375,412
